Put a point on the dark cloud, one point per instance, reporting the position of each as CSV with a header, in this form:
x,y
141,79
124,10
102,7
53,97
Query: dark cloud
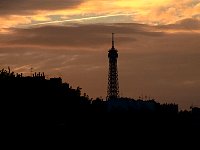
x,y
13,7
75,36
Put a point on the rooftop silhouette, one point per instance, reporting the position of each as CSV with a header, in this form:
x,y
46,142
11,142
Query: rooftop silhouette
x,y
42,102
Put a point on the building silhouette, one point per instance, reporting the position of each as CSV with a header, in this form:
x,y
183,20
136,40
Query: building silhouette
x,y
113,83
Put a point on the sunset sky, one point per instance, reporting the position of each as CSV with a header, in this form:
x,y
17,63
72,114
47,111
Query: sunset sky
x,y
158,42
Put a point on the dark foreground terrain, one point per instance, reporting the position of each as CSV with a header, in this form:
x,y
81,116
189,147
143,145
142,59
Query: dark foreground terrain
x,y
48,109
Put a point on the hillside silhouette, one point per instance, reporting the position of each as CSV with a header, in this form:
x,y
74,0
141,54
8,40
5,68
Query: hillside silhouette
x,y
39,103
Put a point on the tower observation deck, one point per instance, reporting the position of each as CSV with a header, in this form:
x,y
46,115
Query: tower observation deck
x,y
113,83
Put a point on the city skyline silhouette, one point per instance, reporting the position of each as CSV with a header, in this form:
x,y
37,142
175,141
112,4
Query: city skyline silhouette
x,y
35,103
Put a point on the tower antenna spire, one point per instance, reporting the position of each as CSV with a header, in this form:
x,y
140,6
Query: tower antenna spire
x,y
113,42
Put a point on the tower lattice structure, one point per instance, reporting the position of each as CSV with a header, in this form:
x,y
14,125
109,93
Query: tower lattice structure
x,y
113,83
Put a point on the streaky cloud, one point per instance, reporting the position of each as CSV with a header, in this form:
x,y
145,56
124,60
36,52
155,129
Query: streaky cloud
x,y
79,19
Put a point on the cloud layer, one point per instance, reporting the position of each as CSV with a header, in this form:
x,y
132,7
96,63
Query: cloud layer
x,y
28,12
24,7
